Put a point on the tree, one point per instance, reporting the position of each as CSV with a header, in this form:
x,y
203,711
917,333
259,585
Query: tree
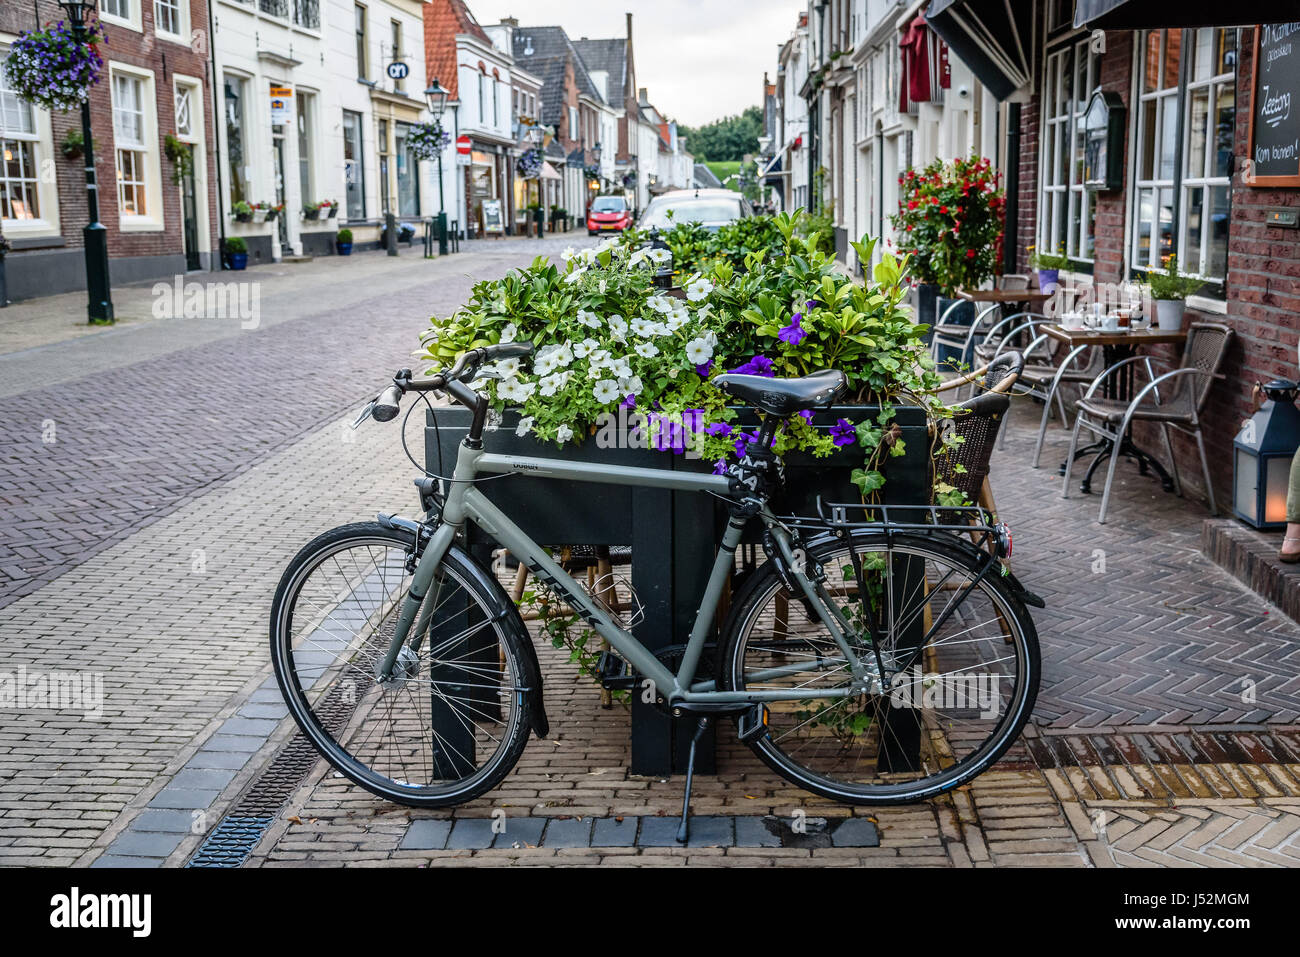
x,y
729,138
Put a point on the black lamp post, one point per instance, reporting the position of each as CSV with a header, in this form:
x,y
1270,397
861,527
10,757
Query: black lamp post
x,y
436,97
94,236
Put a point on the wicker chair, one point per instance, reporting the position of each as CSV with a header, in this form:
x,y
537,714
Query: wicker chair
x,y
1174,399
978,423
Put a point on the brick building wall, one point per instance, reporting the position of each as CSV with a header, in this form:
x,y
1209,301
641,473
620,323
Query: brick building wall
x,y
1026,225
132,255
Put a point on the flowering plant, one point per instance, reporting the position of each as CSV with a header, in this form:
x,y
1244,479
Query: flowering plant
x,y
592,173
53,68
949,222
427,140
1170,284
530,163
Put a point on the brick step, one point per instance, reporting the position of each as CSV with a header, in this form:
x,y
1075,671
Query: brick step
x,y
1251,557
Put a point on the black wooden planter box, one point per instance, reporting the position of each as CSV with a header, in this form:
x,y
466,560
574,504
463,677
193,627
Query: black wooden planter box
x,y
672,534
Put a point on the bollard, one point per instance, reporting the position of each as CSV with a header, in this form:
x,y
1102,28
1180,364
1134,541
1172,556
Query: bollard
x,y
390,233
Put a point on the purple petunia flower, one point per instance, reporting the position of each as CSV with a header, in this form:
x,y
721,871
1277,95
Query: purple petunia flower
x,y
704,368
758,365
806,414
720,467
793,333
628,403
844,433
722,429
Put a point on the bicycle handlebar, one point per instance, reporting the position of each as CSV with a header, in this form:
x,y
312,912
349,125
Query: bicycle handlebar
x,y
385,406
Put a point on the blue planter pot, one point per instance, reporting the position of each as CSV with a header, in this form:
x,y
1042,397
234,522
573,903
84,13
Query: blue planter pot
x,y
962,315
1048,279
345,249
238,261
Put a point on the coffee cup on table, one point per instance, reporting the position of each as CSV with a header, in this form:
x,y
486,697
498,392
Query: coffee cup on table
x,y
1071,320
1109,323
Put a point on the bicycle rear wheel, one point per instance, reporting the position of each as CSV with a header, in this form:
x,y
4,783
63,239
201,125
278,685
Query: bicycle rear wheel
x,y
454,718
948,674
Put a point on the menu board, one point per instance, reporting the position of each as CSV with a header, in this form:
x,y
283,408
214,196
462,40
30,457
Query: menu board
x,y
492,216
1275,107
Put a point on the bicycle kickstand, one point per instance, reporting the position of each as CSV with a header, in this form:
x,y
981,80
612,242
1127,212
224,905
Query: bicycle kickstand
x,y
683,832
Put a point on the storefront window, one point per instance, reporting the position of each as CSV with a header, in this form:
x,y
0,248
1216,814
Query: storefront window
x,y
1186,116
19,189
305,118
1067,211
384,195
353,168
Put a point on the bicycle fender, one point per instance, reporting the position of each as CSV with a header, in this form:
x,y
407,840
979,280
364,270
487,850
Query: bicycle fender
x,y
503,607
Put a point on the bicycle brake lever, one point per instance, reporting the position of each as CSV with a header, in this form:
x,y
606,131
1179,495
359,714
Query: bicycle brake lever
x,y
365,414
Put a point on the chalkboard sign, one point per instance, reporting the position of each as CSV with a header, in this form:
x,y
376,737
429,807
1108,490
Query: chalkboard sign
x,y
1275,107
492,216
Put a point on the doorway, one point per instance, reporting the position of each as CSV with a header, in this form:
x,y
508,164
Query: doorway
x,y
190,215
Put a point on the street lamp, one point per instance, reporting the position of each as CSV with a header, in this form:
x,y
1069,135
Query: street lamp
x,y
436,97
95,236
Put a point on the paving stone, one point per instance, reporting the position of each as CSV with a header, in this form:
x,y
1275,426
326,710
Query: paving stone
x,y
132,843
183,798
201,779
658,832
177,821
524,831
116,860
753,832
426,834
611,832
246,744
470,833
568,832
222,760
257,727
856,832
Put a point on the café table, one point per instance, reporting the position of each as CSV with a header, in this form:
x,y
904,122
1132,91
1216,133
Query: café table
x,y
1116,346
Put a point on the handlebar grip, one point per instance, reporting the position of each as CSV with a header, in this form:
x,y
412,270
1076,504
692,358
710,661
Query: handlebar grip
x,y
387,404
507,350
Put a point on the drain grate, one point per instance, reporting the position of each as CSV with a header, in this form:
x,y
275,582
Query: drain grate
x,y
233,839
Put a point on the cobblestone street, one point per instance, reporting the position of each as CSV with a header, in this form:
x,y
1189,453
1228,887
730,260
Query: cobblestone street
x,y
193,458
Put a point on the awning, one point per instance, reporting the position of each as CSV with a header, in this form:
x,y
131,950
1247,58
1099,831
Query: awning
x,y
1142,14
992,37
549,171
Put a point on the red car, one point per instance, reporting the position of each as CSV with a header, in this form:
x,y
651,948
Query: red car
x,y
608,214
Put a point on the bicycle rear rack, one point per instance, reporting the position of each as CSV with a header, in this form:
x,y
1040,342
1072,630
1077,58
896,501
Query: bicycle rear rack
x,y
973,520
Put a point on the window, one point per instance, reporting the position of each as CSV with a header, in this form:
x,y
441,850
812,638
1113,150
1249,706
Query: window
x,y
408,174
235,146
306,13
1066,210
184,112
384,189
1186,111
574,132
482,111
19,180
306,107
362,72
116,8
354,174
167,16
398,85
129,136
496,100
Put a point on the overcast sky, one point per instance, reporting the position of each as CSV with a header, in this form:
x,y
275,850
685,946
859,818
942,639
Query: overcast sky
x,y
700,59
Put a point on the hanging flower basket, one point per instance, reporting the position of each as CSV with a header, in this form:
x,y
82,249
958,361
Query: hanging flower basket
x,y
530,163
427,140
53,69
592,173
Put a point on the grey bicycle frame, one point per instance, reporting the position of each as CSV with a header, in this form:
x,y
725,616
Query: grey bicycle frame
x,y
465,502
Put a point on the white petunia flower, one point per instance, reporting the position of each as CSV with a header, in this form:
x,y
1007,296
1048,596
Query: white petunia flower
x,y
574,276
699,351
606,391
621,367
525,426
569,253
514,390
699,289
507,368
617,323
509,332
589,319
563,433
631,385
647,350
660,304
583,349
643,327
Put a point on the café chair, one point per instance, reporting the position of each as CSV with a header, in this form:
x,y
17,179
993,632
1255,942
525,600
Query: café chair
x,y
1174,399
956,335
1044,381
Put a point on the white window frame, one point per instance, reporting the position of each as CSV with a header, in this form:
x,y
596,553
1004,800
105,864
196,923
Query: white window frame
x,y
182,34
306,112
134,20
153,220
248,124
197,137
1179,98
47,188
1057,132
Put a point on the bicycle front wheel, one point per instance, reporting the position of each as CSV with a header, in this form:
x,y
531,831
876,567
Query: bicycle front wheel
x,y
946,671
455,715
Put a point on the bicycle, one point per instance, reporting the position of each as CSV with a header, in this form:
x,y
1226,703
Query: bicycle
x,y
869,660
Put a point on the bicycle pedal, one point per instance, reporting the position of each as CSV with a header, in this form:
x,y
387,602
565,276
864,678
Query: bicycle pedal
x,y
614,673
753,723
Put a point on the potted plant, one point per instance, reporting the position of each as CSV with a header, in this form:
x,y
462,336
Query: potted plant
x,y
344,242
236,249
949,225
1170,290
54,68
311,210
260,211
243,212
329,208
272,211
1049,266
74,144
